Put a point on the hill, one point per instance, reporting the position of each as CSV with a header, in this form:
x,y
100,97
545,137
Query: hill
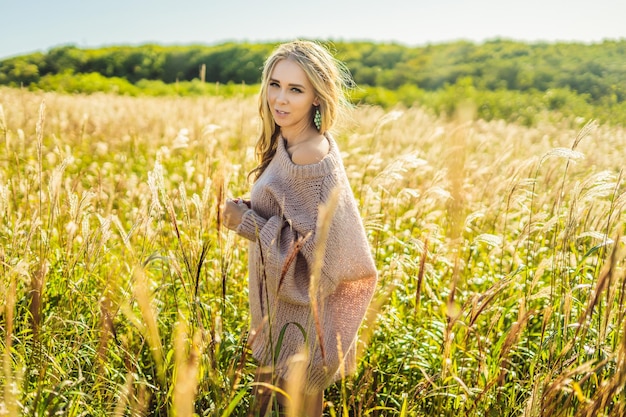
x,y
573,75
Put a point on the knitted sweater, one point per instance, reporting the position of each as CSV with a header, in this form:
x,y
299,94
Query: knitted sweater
x,y
284,207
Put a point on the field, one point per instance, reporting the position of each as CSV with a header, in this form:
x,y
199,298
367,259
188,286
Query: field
x,y
500,252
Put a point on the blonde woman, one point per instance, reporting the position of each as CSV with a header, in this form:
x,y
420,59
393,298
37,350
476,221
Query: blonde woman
x,y
308,290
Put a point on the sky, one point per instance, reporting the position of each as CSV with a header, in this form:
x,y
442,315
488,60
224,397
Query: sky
x,y
37,25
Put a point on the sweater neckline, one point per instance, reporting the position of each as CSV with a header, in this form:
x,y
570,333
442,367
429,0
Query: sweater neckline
x,y
321,168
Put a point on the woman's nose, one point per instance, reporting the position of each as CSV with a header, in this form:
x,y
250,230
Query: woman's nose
x,y
282,96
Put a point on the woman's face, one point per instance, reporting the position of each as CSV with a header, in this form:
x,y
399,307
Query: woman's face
x,y
290,96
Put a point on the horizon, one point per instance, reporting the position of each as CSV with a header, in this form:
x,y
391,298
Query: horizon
x,y
276,41
40,26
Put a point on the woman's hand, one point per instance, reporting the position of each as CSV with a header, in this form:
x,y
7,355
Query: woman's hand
x,y
233,211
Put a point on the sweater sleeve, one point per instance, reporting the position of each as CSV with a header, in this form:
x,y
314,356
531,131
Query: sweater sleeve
x,y
251,224
346,252
277,240
287,260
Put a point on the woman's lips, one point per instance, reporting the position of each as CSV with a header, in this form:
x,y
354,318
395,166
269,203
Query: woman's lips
x,y
280,114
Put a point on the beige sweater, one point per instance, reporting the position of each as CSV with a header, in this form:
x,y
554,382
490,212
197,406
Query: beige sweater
x,y
284,207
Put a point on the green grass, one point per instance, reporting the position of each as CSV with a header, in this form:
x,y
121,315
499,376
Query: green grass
x,y
499,248
527,107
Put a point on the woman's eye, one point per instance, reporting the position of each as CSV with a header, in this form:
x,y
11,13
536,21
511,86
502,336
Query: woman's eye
x,y
274,84
296,90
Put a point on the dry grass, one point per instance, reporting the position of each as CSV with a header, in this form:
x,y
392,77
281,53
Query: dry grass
x,y
500,250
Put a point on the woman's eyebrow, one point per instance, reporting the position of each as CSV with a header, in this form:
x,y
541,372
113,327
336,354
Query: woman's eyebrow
x,y
290,85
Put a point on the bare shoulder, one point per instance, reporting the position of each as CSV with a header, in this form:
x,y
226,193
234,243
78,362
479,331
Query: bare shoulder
x,y
311,152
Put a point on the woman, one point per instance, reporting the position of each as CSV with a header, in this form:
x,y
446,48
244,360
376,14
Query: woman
x,y
309,283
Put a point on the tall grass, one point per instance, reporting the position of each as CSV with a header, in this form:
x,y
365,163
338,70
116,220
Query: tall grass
x,y
500,250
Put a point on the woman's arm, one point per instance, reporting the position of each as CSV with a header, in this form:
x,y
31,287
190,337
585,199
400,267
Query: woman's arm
x,y
233,211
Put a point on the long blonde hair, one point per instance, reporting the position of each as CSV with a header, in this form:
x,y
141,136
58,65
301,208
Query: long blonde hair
x,y
329,78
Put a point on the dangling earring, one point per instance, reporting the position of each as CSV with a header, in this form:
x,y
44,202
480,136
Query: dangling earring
x,y
317,119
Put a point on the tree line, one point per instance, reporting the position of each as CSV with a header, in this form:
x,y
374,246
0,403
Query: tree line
x,y
504,79
594,70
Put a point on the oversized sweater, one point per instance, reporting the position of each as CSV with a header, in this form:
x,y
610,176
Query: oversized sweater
x,y
284,207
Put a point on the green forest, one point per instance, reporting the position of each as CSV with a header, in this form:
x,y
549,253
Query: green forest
x,y
505,79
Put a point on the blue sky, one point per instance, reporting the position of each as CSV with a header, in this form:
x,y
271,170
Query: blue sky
x,y
38,25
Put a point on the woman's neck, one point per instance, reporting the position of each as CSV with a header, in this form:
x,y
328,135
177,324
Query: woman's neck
x,y
297,136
